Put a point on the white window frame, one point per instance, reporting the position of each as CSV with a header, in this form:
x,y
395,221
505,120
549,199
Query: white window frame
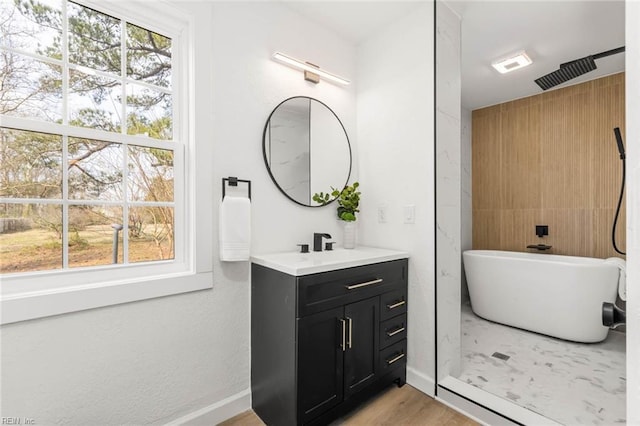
x,y
39,294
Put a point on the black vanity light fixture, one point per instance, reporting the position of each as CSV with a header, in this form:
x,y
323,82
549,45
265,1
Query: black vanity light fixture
x,y
312,72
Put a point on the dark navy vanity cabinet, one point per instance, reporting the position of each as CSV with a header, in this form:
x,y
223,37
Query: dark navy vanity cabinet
x,y
322,343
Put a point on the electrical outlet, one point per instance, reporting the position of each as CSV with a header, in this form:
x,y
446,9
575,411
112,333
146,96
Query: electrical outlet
x,y
410,214
382,213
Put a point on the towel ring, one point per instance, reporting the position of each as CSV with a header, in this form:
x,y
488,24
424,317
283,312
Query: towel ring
x,y
233,181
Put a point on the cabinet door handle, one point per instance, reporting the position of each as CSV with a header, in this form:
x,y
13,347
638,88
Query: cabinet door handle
x,y
343,344
394,332
364,284
397,358
350,332
396,305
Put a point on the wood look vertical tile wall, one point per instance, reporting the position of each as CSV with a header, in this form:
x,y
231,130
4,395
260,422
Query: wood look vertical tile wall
x,y
550,159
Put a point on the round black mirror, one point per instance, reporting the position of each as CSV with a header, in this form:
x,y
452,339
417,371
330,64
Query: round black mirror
x,y
306,149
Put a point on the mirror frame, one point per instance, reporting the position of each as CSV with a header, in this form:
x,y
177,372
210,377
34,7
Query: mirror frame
x,y
264,149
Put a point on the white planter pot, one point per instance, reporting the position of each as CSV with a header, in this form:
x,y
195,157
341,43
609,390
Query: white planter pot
x,y
349,235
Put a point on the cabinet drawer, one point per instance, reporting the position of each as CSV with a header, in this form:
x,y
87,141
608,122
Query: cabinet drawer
x,y
392,357
327,290
393,330
393,303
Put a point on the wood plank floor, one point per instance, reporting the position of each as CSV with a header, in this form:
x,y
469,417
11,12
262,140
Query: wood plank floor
x,y
396,406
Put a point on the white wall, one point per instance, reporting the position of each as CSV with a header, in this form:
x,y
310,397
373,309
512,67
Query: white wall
x,y
395,140
158,360
248,85
632,57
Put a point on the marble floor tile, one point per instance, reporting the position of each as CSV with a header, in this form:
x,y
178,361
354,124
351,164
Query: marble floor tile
x,y
571,383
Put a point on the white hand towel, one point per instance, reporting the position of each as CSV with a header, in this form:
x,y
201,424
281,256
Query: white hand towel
x,y
235,229
622,279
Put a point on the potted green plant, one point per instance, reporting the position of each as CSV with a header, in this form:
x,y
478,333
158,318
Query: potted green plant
x,y
348,202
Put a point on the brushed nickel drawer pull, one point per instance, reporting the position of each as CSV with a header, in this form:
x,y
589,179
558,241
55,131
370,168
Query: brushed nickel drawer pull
x,y
343,344
350,332
396,305
394,332
353,286
397,358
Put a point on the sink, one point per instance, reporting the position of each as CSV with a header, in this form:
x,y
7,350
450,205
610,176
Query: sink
x,y
299,264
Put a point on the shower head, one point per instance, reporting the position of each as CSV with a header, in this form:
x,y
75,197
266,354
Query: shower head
x,y
573,69
567,71
619,142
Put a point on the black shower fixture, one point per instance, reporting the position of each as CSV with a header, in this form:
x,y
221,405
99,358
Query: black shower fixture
x,y
573,69
623,156
619,142
542,230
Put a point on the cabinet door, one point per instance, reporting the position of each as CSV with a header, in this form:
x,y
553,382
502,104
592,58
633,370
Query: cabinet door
x,y
361,356
320,362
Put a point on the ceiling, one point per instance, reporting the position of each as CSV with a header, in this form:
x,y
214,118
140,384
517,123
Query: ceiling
x,y
354,20
551,32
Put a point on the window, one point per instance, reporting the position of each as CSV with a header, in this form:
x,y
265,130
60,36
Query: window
x,y
93,139
75,199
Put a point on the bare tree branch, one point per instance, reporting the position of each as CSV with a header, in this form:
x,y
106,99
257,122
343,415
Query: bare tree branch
x,y
101,145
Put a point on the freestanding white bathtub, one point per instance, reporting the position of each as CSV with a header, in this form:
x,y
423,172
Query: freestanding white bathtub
x,y
560,296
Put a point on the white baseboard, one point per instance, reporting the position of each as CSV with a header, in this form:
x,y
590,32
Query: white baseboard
x,y
217,412
420,381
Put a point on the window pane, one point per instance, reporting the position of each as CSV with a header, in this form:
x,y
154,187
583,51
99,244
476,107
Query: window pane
x,y
31,164
95,170
148,56
94,39
30,237
148,112
151,232
91,235
150,174
94,101
33,26
30,88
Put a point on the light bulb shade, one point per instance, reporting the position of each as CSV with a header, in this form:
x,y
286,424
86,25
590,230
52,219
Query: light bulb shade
x,y
296,63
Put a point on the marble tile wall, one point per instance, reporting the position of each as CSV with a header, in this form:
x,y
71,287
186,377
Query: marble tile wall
x,y
466,209
288,141
448,189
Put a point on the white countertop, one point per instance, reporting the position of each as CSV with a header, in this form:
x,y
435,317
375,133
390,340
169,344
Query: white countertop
x,y
299,264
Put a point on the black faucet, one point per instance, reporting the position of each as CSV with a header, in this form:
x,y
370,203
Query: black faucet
x,y
317,240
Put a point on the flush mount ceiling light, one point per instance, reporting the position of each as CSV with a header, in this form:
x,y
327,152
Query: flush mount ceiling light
x,y
511,63
312,72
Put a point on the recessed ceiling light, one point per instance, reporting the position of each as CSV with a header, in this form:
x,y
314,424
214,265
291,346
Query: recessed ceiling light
x,y
511,63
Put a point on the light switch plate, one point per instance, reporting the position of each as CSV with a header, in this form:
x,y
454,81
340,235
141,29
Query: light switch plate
x,y
410,214
382,213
